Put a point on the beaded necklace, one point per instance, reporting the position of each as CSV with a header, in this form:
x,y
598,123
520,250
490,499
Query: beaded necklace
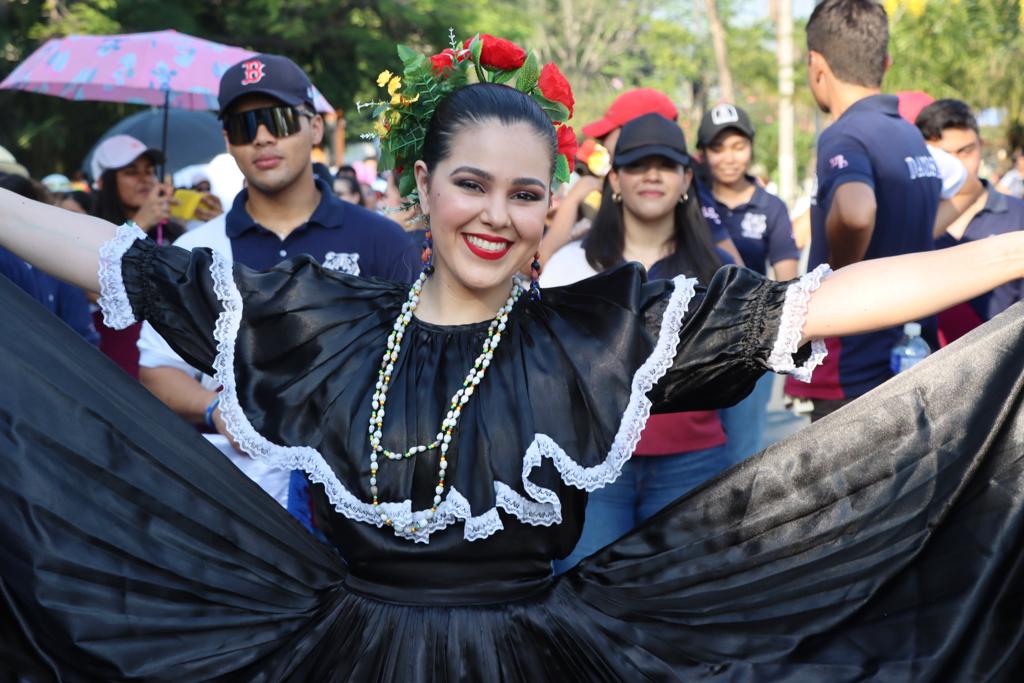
x,y
459,400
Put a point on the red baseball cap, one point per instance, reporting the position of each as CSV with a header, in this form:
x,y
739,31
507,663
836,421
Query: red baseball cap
x,y
630,105
912,102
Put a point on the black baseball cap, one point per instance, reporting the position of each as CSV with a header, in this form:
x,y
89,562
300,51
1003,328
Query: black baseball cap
x,y
272,75
723,117
650,135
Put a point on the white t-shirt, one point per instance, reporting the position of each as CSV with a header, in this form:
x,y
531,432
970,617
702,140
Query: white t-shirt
x,y
566,266
155,352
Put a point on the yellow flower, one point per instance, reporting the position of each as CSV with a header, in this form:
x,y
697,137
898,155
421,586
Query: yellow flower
x,y
395,118
394,85
915,7
383,78
396,100
380,130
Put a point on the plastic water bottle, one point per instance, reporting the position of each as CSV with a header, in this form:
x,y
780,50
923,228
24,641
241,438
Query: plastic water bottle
x,y
911,350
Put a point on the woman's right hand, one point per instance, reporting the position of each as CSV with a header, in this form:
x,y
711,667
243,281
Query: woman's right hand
x,y
157,207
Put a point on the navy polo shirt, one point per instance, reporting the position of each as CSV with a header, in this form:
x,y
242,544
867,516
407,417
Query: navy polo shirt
x,y
339,235
760,229
63,300
1002,214
871,144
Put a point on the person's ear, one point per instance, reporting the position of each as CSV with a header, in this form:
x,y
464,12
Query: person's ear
x,y
316,126
815,62
613,180
423,186
687,179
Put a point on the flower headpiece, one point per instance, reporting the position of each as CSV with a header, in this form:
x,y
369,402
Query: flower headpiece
x,y
403,118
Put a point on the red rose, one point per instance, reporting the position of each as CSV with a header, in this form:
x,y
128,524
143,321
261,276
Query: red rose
x,y
553,86
443,63
567,145
498,53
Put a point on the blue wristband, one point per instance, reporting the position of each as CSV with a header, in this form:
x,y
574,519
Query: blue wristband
x,y
209,412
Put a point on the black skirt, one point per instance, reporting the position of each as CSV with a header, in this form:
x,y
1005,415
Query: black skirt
x,y
882,543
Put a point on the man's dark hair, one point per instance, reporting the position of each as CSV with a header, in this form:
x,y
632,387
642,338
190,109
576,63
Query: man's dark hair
x,y
943,114
853,37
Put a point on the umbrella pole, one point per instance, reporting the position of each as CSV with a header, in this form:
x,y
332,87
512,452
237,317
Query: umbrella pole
x,y
163,145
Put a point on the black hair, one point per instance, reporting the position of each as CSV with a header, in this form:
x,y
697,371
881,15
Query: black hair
x,y
108,203
480,102
692,252
347,170
853,37
83,199
943,114
26,187
353,186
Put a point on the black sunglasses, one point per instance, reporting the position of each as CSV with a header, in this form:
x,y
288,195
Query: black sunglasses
x,y
280,121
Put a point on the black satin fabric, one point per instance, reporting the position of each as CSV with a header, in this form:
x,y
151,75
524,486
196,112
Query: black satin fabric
x,y
307,355
882,543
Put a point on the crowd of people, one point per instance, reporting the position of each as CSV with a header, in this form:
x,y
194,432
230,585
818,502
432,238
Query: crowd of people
x,y
895,175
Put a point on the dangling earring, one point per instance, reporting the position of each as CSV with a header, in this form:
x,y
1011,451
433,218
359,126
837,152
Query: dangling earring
x,y
428,251
684,198
617,197
535,278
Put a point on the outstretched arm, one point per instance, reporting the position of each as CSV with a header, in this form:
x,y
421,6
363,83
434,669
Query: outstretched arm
x,y
886,292
63,243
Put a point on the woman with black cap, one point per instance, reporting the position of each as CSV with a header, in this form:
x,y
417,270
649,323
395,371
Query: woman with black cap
x,y
758,223
649,214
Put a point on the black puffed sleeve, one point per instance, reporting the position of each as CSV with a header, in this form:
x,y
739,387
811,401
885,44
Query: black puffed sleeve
x,y
741,325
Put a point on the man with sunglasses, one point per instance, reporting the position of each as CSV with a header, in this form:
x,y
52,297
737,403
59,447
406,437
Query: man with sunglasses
x,y
271,127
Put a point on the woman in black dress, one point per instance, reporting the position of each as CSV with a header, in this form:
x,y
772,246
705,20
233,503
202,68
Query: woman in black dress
x,y
882,543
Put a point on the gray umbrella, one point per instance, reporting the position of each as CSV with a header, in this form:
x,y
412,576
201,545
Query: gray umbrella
x,y
193,137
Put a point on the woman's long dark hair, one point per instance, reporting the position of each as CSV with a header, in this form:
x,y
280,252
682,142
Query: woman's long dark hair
x,y
108,204
692,251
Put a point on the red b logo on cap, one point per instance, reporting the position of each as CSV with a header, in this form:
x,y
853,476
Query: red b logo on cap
x,y
253,72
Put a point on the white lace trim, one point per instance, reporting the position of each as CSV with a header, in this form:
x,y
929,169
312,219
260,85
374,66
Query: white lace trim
x,y
545,508
113,299
791,328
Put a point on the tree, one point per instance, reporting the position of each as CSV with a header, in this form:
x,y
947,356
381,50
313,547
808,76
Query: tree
x,y
725,90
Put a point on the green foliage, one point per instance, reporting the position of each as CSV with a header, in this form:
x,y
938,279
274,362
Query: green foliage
x,y
969,50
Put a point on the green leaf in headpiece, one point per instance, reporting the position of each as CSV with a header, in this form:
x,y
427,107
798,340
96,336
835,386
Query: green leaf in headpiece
x,y
562,169
556,111
407,183
529,74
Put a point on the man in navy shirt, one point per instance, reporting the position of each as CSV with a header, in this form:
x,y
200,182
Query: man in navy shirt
x,y
950,125
271,127
878,187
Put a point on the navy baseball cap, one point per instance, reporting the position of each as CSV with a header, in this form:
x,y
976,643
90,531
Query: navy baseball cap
x,y
272,75
723,117
651,135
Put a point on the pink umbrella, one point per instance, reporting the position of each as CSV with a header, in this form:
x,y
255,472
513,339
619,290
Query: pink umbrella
x,y
162,68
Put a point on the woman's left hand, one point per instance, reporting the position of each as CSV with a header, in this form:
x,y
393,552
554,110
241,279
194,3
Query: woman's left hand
x,y
209,208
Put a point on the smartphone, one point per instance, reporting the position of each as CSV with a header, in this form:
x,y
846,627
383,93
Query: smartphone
x,y
185,204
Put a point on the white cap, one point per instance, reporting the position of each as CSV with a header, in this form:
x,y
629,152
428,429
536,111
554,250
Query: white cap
x,y
118,151
8,164
912,329
56,182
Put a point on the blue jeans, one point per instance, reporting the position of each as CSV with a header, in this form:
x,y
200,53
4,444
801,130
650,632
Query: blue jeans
x,y
744,423
646,485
